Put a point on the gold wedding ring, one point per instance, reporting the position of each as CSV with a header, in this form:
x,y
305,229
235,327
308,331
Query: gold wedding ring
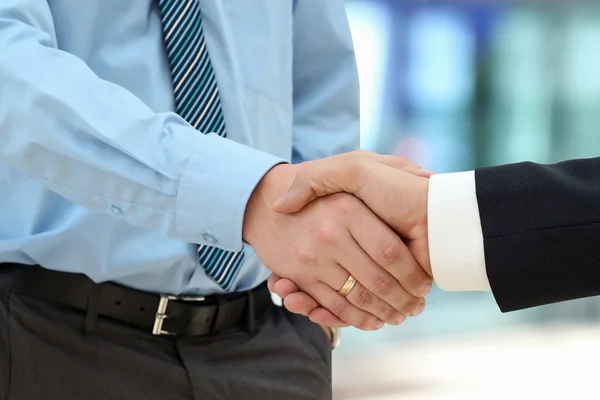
x,y
350,282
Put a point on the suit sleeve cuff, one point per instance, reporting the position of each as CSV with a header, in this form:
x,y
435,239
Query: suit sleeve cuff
x,y
214,189
455,235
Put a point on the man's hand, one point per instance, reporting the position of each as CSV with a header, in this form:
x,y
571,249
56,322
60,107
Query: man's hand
x,y
319,246
397,197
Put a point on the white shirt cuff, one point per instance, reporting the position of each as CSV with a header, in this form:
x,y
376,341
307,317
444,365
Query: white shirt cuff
x,y
455,236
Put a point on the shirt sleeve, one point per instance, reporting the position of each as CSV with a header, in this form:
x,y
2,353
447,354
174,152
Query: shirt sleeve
x,y
101,147
455,235
326,93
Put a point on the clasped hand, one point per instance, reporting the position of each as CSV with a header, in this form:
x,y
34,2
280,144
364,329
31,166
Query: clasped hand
x,y
316,223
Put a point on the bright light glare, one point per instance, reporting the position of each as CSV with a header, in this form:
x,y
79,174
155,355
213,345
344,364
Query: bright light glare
x,y
369,23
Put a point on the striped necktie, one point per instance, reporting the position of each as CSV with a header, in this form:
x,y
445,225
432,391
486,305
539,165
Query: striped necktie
x,y
197,101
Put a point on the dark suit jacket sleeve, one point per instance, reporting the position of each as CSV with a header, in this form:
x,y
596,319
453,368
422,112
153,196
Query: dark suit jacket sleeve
x,y
541,230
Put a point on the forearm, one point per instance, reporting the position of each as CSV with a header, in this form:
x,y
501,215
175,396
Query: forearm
x,y
100,146
541,225
527,231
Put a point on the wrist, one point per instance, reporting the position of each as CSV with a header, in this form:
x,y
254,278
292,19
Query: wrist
x,y
409,215
421,227
258,211
418,236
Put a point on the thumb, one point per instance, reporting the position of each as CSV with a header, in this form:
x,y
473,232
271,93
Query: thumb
x,y
423,173
403,164
298,195
334,175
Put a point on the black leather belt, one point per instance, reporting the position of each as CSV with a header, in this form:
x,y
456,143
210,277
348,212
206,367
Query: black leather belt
x,y
158,314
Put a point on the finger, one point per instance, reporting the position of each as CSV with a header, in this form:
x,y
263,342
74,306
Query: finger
x,y
363,269
364,299
322,316
334,174
301,303
298,195
420,251
285,287
419,309
280,289
273,279
400,163
425,173
320,178
388,251
381,288
340,307
375,277
335,277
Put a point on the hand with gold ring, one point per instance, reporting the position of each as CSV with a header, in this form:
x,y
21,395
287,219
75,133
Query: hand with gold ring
x,y
350,302
318,248
375,257
299,302
394,191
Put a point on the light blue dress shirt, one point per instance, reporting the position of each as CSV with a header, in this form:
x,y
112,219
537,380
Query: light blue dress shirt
x,y
98,175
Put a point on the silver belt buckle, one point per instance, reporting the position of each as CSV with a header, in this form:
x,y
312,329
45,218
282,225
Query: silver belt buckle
x,y
161,311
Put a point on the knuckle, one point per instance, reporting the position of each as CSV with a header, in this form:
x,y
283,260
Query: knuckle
x,y
325,235
406,162
384,285
390,252
403,162
339,309
366,322
306,255
410,304
342,203
364,298
391,314
415,280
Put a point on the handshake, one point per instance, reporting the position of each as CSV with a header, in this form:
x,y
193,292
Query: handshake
x,y
346,238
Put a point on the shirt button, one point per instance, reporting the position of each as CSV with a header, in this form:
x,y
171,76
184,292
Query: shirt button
x,y
210,238
116,210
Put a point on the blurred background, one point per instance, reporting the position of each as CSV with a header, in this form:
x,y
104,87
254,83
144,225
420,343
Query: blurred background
x,y
456,85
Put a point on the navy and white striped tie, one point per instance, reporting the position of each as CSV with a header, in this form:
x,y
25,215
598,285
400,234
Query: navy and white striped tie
x,y
197,101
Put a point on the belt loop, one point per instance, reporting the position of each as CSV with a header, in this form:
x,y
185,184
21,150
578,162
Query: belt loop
x,y
91,315
251,313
